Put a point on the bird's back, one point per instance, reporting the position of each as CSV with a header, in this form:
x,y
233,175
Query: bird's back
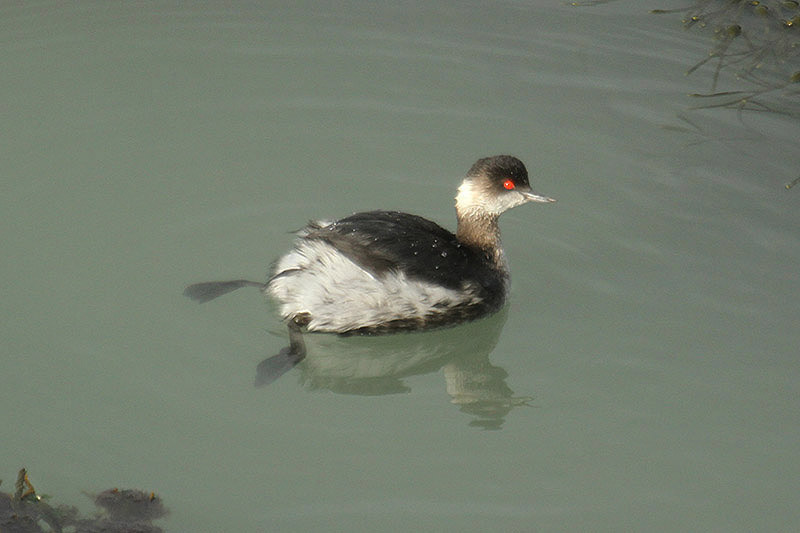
x,y
382,241
407,270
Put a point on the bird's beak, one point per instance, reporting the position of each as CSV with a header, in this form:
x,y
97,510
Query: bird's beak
x,y
531,197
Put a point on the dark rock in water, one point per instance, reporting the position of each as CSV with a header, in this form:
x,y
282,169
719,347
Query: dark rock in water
x,y
129,504
124,511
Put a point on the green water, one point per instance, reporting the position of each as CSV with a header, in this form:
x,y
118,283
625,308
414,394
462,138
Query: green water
x,y
644,376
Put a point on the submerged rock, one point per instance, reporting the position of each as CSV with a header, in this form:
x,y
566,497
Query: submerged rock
x,y
121,511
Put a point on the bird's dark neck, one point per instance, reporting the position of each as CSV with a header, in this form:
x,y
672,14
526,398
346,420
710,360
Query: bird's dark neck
x,y
482,232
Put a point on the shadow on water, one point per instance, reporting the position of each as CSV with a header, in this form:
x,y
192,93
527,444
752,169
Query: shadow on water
x,y
380,365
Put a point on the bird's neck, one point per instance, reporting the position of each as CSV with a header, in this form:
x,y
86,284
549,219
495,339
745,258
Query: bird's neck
x,y
481,230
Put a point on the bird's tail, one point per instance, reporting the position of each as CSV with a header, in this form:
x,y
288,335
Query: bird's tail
x,y
208,290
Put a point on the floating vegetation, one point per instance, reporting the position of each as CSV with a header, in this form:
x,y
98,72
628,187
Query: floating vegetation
x,y
756,45
758,42
122,510
755,41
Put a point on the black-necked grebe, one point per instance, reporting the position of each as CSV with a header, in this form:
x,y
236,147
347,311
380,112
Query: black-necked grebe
x,y
384,271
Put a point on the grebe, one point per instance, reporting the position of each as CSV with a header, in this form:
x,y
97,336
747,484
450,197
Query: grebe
x,y
384,271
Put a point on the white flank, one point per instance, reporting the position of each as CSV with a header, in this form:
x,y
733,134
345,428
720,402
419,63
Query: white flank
x,y
339,295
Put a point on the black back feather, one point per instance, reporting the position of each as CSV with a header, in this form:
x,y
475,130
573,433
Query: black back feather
x,y
384,241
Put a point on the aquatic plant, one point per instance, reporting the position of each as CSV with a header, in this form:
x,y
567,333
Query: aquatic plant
x,y
25,511
758,42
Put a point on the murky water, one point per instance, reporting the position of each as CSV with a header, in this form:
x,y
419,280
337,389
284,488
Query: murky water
x,y
644,375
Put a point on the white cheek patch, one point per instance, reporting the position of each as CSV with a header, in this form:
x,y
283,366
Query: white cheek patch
x,y
472,198
317,279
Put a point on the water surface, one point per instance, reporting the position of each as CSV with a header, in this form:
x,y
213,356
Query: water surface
x,y
644,375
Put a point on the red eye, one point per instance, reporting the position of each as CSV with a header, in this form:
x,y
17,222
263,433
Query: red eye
x,y
508,184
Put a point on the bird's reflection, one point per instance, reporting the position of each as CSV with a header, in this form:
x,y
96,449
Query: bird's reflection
x,y
371,366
